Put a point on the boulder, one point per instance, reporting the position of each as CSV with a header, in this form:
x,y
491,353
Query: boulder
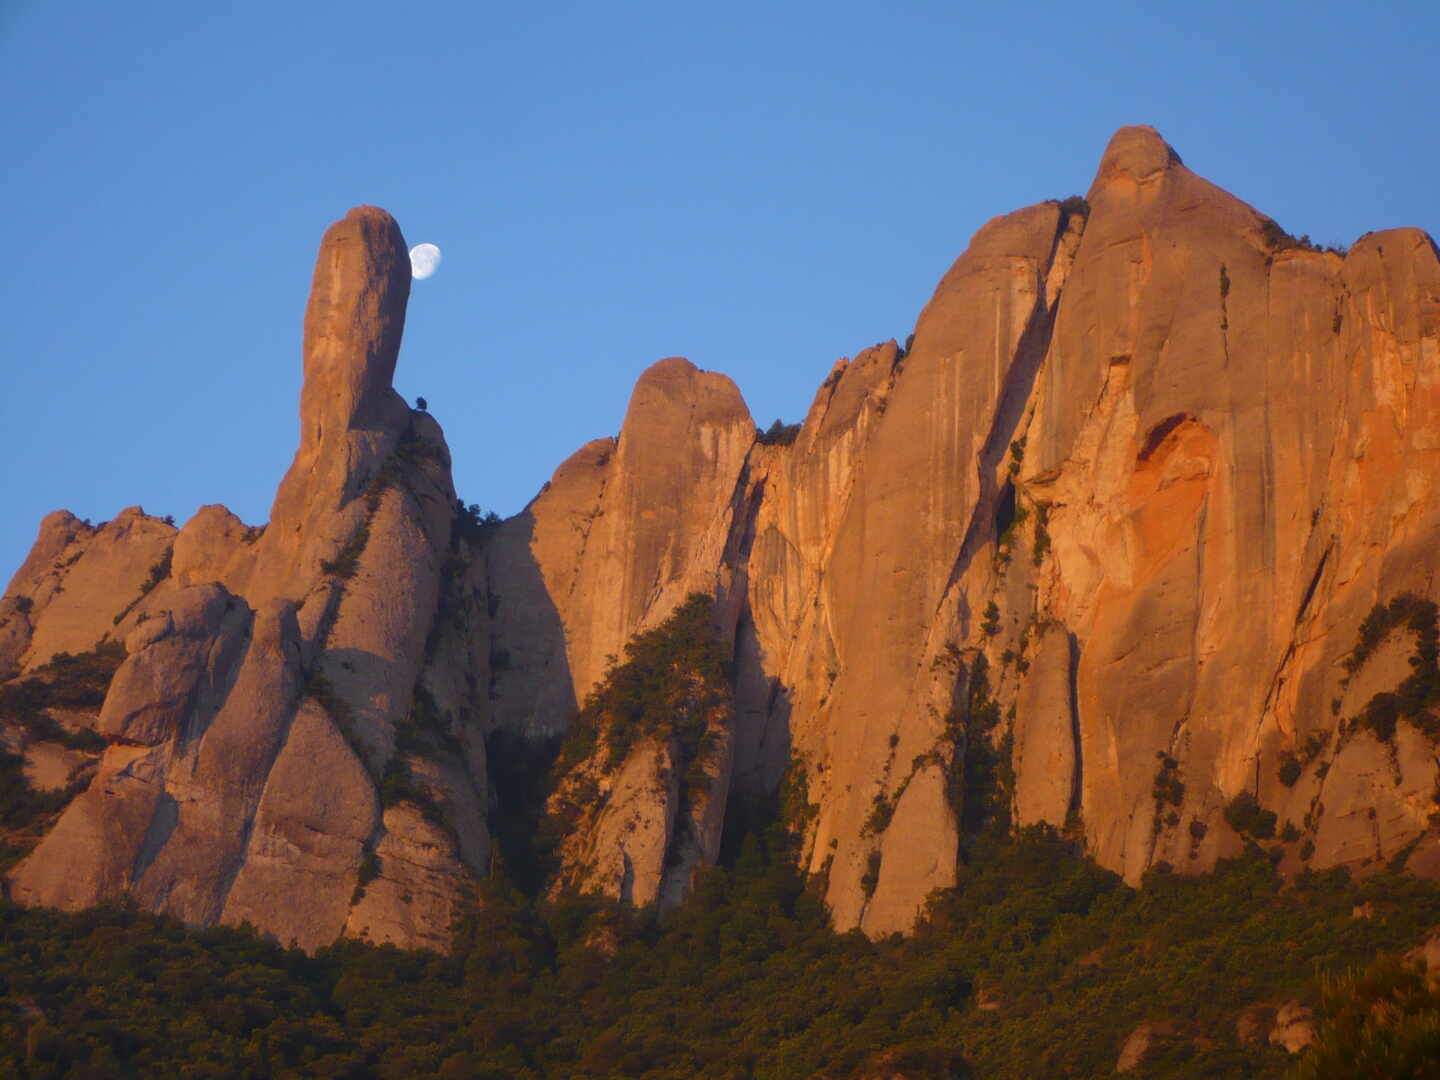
x,y
1294,1027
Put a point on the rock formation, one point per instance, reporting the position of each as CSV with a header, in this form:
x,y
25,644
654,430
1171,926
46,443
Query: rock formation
x,y
276,754
1134,538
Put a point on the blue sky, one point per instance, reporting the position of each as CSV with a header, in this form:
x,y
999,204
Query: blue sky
x,y
760,187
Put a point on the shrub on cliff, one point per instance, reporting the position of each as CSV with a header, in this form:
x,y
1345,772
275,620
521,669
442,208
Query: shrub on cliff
x,y
1247,817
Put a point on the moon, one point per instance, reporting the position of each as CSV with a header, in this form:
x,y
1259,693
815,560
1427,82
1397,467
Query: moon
x,y
424,261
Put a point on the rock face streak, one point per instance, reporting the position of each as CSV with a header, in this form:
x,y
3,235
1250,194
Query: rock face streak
x,y
1099,549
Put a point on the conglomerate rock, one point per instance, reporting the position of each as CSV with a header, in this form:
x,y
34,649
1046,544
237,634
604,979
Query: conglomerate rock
x,y
267,710
1134,538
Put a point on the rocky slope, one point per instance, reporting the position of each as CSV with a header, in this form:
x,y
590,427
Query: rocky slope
x,y
1134,538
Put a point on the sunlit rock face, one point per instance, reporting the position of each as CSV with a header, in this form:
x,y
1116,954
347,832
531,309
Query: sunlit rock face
x,y
275,679
1154,462
1100,548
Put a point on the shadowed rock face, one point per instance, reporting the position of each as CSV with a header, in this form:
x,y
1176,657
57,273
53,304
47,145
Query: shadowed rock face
x,y
623,533
1112,520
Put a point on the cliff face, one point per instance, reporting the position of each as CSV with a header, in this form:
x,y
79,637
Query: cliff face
x,y
277,751
1111,523
1135,538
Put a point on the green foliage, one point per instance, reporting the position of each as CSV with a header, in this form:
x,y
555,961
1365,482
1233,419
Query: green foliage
x,y
400,785
744,980
347,559
1072,206
369,871
1414,698
871,877
1289,770
1408,610
1247,817
1009,516
672,689
1168,787
66,682
672,680
1277,239
1042,534
413,450
1017,454
979,773
319,688
158,573
1167,790
878,820
520,777
1380,1022
22,806
777,434
322,690
990,625
472,524
796,811
369,868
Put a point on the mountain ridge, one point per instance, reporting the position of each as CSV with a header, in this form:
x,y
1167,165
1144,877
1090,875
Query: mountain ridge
x,y
1114,517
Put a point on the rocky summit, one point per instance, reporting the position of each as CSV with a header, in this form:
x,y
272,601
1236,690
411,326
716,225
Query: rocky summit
x,y
1135,537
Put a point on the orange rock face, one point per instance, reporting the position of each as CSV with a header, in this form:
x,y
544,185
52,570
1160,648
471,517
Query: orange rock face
x,y
1147,464
1135,538
276,679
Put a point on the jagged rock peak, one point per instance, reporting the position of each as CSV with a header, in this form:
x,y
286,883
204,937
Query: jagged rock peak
x,y
353,322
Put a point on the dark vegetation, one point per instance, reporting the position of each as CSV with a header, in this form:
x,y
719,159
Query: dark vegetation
x,y
22,807
1277,239
1290,769
990,624
1168,790
1071,206
68,681
77,681
981,777
672,679
158,573
1419,693
1042,534
745,980
1247,817
347,559
672,689
1383,1021
777,434
473,524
